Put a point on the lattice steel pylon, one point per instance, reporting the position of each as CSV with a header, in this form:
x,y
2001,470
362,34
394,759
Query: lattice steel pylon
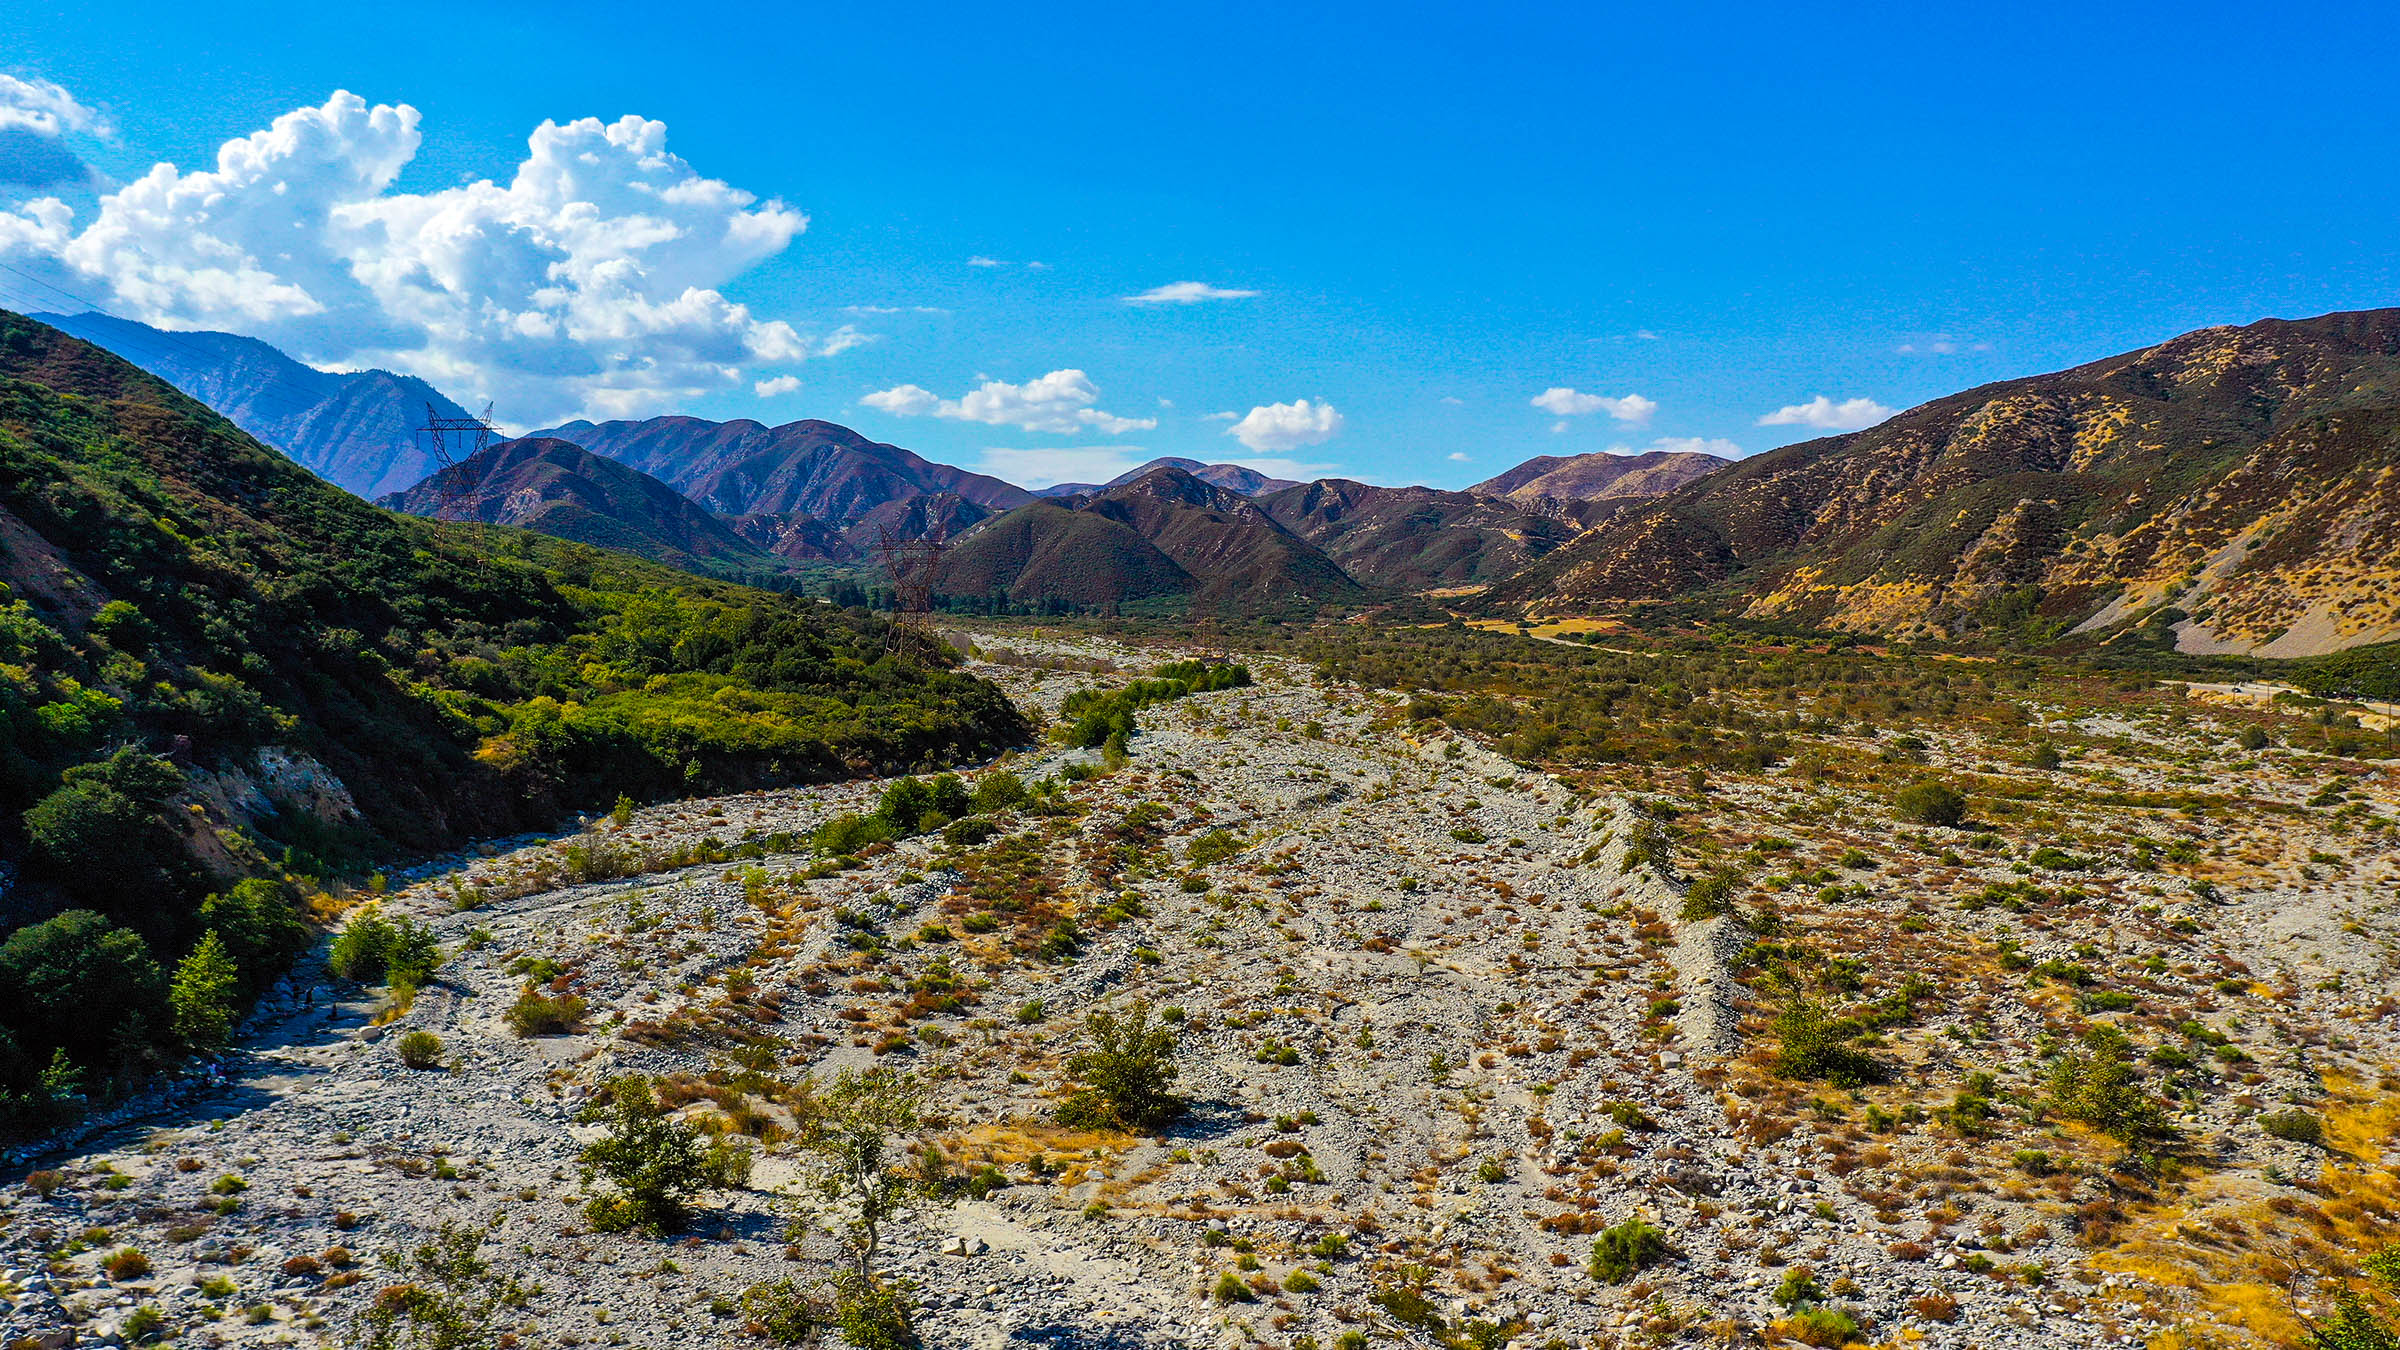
x,y
911,564
473,435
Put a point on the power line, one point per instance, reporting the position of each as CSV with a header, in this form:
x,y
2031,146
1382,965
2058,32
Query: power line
x,y
147,334
292,399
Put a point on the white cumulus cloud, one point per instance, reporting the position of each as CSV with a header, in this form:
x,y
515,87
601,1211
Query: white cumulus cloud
x,y
776,387
1186,293
585,283
1053,465
1287,426
1824,414
1685,445
1560,401
1058,402
35,119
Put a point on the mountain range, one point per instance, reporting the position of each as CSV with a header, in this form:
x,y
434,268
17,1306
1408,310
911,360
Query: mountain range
x,y
2229,490
818,468
563,490
354,430
1232,477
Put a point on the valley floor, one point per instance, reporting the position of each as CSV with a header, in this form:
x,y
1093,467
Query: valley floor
x,y
1441,1025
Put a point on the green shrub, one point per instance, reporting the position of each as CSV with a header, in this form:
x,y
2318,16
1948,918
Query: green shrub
x,y
787,1312
1712,894
1128,1066
1626,1249
654,1163
421,1050
535,1014
1799,1286
1830,1328
847,834
1214,846
2098,1087
2298,1127
996,791
985,1181
968,831
1812,1043
374,949
1930,802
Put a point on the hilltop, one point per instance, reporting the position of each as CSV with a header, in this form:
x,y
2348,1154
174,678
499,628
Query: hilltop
x,y
2230,490
567,492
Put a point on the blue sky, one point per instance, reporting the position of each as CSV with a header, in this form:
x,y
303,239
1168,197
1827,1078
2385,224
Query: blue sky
x,y
1469,235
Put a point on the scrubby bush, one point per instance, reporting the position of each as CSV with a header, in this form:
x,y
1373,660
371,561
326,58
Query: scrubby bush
x,y
536,1014
443,1294
996,791
1830,1328
1626,1249
2298,1127
1126,1071
1214,846
2099,1087
421,1050
1930,802
1712,894
654,1163
1813,1043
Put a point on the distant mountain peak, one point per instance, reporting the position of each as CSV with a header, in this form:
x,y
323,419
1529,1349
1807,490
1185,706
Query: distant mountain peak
x,y
553,485
821,468
354,429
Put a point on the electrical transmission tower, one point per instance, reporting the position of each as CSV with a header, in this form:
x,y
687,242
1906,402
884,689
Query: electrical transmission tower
x,y
911,564
452,441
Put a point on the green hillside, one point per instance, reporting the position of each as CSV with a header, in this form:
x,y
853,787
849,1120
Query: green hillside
x,y
215,666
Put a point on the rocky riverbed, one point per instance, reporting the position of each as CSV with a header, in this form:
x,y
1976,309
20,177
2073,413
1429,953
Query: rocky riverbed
x,y
1441,1022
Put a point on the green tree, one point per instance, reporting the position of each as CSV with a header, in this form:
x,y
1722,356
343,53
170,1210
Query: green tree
x,y
203,996
855,1133
96,841
656,1163
446,1298
1127,1069
2099,1086
2367,1315
77,982
372,949
261,928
